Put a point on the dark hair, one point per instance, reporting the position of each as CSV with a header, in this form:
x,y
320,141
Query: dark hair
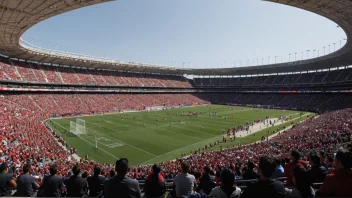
x,y
156,169
302,181
295,154
277,161
267,166
345,157
85,174
111,173
287,160
76,170
185,167
227,177
207,170
53,169
97,170
314,158
250,165
26,168
122,166
3,166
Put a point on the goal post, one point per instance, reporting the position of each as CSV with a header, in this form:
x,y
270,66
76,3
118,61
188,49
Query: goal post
x,y
78,127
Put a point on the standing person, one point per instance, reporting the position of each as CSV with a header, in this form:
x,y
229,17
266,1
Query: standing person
x,y
295,161
155,184
6,181
121,185
227,188
338,184
76,186
206,182
302,188
26,184
184,183
52,185
265,187
317,172
96,183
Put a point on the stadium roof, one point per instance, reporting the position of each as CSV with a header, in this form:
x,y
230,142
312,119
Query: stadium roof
x,y
19,15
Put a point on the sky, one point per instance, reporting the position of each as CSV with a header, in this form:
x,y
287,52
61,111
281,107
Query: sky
x,y
189,33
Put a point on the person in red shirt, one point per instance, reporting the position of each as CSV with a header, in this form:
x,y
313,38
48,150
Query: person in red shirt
x,y
295,162
338,184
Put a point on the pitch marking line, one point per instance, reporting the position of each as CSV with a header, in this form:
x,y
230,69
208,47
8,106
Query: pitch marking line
x,y
89,142
205,141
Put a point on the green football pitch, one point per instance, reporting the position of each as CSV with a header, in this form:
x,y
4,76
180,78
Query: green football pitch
x,y
142,139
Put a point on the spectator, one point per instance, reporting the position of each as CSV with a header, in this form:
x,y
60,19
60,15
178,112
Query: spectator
x,y
265,187
206,182
155,185
26,184
52,185
112,174
227,189
295,161
76,185
121,185
302,188
96,183
250,173
184,182
338,184
317,172
6,181
322,159
279,170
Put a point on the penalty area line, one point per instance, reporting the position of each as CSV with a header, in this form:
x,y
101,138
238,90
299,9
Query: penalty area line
x,y
90,143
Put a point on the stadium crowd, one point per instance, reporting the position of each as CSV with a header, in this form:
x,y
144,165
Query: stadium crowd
x,y
32,72
30,151
333,76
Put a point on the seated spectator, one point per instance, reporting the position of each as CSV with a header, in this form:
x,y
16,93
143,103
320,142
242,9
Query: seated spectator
x,y
227,188
295,161
6,181
155,185
302,187
265,187
26,184
206,182
121,185
317,172
52,185
250,173
338,184
96,183
279,170
76,186
184,182
322,159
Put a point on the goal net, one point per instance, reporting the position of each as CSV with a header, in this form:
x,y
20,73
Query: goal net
x,y
78,127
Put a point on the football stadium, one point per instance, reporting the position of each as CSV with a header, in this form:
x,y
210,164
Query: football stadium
x,y
76,125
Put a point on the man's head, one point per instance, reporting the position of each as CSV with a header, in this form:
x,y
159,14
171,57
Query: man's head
x,y
343,159
314,159
4,167
295,155
156,169
97,170
277,161
266,167
207,170
227,177
76,170
26,168
185,167
122,166
53,169
250,165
